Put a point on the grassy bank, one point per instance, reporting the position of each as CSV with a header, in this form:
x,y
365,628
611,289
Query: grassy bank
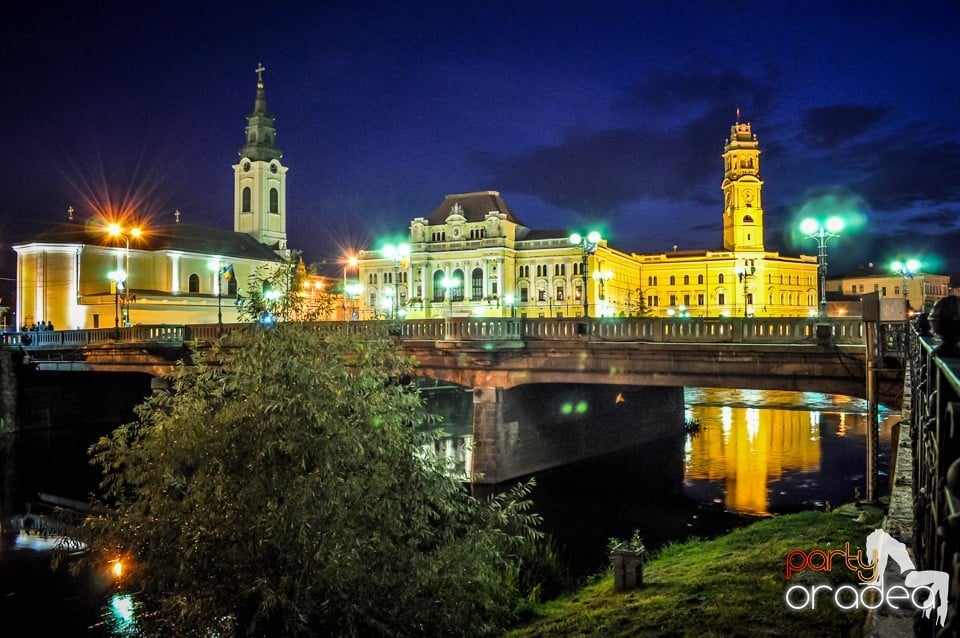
x,y
730,586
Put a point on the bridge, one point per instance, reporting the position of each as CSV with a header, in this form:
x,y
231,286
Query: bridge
x,y
614,372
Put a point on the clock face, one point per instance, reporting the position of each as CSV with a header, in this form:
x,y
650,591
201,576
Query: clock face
x,y
748,196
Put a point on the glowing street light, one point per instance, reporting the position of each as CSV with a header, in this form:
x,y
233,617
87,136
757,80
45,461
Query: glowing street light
x,y
449,284
117,279
399,255
588,245
352,263
821,232
117,231
602,277
906,269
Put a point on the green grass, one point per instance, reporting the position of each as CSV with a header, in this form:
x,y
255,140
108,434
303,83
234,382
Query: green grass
x,y
730,586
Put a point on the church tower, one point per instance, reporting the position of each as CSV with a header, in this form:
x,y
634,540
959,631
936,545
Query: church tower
x,y
260,180
742,208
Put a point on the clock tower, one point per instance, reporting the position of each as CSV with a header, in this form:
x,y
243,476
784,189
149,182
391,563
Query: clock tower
x,y
260,180
742,208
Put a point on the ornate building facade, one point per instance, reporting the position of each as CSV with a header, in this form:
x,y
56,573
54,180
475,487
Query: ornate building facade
x,y
79,275
473,256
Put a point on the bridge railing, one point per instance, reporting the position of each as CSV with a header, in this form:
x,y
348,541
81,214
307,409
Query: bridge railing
x,y
935,434
662,330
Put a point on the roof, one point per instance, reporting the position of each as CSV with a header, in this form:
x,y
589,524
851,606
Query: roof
x,y
475,207
185,237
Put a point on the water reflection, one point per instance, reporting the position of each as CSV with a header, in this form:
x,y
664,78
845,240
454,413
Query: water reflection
x,y
762,452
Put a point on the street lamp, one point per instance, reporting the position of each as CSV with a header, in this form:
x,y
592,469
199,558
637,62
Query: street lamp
x,y
588,245
744,271
821,232
352,263
906,269
449,283
116,230
511,300
602,277
353,291
398,254
117,278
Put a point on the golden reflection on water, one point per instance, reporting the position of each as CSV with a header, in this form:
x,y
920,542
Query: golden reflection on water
x,y
747,448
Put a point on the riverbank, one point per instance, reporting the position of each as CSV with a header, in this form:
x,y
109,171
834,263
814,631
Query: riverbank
x,y
729,586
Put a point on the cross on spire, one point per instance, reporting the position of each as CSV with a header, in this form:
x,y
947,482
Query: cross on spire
x,y
259,70
70,213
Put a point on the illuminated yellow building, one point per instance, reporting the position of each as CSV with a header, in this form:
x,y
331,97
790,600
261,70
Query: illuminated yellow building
x,y
921,289
472,256
742,279
79,275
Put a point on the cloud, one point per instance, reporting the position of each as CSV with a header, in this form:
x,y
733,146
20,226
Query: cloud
x,y
665,92
832,126
903,170
599,171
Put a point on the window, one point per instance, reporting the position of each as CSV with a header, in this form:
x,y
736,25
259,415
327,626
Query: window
x,y
700,279
274,201
721,298
559,270
388,277
686,280
525,271
493,288
456,293
853,288
194,283
673,300
700,299
578,292
686,300
673,282
232,287
439,291
883,291
541,294
524,295
720,279
476,284
245,199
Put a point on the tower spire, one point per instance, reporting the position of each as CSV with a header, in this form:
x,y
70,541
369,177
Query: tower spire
x,y
261,130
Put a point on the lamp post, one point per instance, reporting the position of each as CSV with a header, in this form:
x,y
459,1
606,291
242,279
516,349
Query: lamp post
x,y
744,271
116,230
602,277
511,301
398,254
588,245
449,283
117,278
821,232
352,263
352,291
906,269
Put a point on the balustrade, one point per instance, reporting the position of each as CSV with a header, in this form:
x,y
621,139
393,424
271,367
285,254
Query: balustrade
x,y
934,423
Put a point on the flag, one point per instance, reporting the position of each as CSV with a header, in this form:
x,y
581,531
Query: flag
x,y
227,272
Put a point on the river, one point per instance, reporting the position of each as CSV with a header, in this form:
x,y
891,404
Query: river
x,y
756,453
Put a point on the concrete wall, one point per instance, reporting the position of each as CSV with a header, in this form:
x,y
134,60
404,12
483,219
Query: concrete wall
x,y
524,429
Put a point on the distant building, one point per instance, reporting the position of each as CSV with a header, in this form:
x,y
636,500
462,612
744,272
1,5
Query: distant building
x,y
472,256
922,290
76,275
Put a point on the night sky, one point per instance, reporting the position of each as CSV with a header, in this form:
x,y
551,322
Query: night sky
x,y
583,115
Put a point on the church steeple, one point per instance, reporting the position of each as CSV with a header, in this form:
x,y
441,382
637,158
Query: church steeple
x,y
261,131
742,209
260,180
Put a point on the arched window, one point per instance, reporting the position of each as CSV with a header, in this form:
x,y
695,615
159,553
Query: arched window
x,y
720,278
274,201
673,280
700,279
245,200
456,293
438,289
476,284
194,283
747,219
686,280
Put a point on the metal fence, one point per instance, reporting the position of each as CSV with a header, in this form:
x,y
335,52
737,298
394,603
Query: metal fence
x,y
934,423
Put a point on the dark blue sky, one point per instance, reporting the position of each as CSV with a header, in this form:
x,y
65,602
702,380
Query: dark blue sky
x,y
581,114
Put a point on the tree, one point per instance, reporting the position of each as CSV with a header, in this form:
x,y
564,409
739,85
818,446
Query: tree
x,y
280,487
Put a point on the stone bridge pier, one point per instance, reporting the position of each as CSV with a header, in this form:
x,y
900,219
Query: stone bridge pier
x,y
528,428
